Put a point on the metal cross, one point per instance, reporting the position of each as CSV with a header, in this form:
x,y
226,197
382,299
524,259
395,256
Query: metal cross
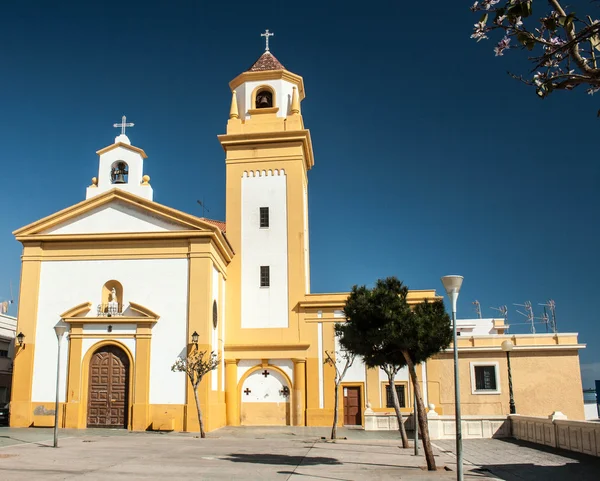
x,y
123,124
265,373
267,34
247,391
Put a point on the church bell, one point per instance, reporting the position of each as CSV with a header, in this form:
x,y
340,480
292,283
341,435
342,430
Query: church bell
x,y
118,173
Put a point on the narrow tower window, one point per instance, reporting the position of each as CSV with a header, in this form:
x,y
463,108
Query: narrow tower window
x,y
264,99
119,172
264,217
265,276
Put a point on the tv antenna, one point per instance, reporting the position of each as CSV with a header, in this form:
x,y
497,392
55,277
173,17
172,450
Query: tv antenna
x,y
528,314
477,308
551,305
203,205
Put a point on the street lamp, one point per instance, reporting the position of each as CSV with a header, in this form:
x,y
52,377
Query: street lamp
x,y
452,285
195,339
60,328
508,346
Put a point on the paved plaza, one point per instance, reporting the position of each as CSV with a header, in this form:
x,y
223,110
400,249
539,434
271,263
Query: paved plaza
x,y
268,454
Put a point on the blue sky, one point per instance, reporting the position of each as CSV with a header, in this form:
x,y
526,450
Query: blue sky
x,y
429,159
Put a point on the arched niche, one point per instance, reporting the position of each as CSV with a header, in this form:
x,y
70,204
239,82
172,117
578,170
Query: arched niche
x,y
119,172
107,289
263,97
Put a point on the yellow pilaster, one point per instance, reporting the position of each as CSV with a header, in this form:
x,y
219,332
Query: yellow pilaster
x,y
373,386
231,394
299,394
73,408
141,392
21,414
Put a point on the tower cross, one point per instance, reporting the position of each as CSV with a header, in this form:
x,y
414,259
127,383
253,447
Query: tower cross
x,y
267,34
123,124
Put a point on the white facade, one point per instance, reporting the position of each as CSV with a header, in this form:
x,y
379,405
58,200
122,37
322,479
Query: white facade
x,y
264,307
116,217
158,284
135,166
265,389
477,327
282,99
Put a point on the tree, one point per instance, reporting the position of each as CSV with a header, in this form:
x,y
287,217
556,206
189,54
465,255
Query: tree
x,y
340,372
562,44
382,318
196,366
366,332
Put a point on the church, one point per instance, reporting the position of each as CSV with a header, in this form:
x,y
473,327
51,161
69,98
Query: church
x,y
139,284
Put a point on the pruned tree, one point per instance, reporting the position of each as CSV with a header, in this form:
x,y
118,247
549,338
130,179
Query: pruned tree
x,y
366,333
196,365
562,44
381,318
346,358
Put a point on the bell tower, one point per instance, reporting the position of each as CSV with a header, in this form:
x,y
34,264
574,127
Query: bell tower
x,y
268,156
121,166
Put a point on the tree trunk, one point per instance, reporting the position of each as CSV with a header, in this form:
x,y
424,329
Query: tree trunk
x,y
202,433
335,413
401,427
422,414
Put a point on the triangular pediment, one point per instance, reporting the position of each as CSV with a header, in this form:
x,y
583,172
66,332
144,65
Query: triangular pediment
x,y
115,212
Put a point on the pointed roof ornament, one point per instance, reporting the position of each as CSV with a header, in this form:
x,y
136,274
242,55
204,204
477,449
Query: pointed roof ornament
x,y
233,111
295,101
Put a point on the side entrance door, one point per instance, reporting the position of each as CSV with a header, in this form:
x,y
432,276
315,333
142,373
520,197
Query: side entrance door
x,y
352,406
108,388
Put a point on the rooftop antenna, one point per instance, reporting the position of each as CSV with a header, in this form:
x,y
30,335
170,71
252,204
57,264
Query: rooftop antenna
x,y
477,308
503,310
550,304
203,205
528,314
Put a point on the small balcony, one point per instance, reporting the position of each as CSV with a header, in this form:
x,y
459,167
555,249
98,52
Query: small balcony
x,y
112,309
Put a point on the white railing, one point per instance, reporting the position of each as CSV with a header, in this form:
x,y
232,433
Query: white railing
x,y
558,432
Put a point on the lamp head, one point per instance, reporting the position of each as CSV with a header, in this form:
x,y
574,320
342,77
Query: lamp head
x,y
452,285
60,328
507,345
195,338
20,338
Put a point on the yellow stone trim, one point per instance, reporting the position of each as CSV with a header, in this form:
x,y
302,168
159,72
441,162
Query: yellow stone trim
x,y
267,110
78,310
85,371
125,146
269,75
144,311
266,347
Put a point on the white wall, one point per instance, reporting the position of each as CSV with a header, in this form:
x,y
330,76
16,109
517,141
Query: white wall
x,y
244,365
265,389
264,307
283,96
112,218
158,284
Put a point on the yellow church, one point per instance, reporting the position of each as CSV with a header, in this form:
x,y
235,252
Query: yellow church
x,y
139,284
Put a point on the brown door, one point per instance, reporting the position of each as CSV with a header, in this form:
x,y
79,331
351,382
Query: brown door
x,y
352,411
108,389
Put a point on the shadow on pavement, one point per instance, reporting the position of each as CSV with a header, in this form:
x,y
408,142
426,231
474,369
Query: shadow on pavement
x,y
576,466
282,459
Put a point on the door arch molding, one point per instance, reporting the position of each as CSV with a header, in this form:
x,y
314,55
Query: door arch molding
x,y
87,359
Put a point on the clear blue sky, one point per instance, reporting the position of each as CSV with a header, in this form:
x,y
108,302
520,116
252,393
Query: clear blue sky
x,y
429,159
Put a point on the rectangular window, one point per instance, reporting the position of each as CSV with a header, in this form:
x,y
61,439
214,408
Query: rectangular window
x,y
485,378
3,353
264,217
265,276
389,398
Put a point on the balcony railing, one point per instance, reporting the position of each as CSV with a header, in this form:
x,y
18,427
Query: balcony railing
x,y
112,309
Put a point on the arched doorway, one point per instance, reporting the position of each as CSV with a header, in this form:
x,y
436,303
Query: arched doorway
x,y
265,399
108,394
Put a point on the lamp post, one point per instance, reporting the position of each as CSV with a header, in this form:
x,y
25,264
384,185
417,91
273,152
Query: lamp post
x,y
195,337
60,328
507,346
452,285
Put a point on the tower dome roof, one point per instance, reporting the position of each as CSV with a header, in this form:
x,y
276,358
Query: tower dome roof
x,y
266,61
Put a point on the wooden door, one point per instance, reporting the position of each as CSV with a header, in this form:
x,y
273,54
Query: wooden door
x,y
352,406
108,388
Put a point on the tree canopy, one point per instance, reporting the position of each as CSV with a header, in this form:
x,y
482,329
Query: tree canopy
x,y
562,44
